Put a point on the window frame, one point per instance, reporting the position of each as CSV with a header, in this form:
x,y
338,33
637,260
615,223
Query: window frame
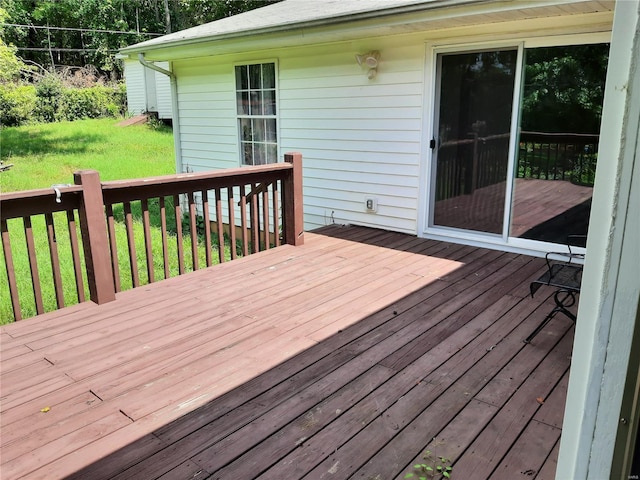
x,y
267,136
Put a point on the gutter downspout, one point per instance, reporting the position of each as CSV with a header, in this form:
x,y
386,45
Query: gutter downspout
x,y
175,118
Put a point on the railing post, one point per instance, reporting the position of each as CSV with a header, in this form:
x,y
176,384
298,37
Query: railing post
x,y
94,237
292,201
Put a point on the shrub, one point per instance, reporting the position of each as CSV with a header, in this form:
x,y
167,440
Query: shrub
x,y
92,102
17,104
78,103
10,64
48,92
50,101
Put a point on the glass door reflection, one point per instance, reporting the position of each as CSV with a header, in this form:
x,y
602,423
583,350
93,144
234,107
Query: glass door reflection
x,y
473,124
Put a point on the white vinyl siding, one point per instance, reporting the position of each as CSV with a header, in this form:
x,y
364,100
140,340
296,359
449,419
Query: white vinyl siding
x,y
147,90
207,108
136,87
359,138
163,92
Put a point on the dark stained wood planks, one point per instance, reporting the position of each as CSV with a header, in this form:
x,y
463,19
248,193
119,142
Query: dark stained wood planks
x,y
343,357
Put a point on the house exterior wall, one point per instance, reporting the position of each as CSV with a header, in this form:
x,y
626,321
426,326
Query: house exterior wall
x,y
359,138
136,87
163,92
206,109
147,90
610,296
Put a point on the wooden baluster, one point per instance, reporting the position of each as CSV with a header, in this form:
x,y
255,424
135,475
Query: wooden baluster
x,y
11,274
113,246
207,228
33,265
164,234
55,260
176,205
276,213
133,257
243,220
232,222
220,225
255,222
75,254
148,246
265,217
193,230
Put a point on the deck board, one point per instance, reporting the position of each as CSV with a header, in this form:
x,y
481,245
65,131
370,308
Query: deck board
x,y
344,357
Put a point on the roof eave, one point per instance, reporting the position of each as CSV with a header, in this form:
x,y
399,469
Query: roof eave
x,y
154,44
333,29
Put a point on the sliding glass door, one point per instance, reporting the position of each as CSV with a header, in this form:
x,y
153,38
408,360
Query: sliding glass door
x,y
558,146
472,145
538,185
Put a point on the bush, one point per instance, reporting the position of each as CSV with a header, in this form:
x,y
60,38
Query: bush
x,y
48,92
50,101
94,102
17,104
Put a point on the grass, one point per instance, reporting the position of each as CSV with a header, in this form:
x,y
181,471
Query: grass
x,y
47,154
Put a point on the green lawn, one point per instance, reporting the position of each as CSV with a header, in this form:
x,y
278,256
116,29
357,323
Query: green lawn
x,y
46,154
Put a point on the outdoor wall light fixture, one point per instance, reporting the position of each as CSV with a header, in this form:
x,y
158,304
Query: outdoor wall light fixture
x,y
369,60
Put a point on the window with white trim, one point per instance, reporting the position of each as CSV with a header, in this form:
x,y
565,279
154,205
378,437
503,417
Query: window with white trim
x,y
256,104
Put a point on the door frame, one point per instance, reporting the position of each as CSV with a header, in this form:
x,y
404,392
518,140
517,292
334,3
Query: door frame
x,y
504,242
517,92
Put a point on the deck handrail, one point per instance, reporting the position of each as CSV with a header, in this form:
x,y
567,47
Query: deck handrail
x,y
467,164
274,216
558,156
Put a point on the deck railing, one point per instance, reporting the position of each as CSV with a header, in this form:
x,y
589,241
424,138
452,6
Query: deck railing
x,y
253,208
558,156
468,164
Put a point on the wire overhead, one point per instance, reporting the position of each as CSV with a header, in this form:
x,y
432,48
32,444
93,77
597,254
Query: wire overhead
x,y
95,30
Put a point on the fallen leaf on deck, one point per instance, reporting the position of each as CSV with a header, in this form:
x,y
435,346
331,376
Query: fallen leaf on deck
x,y
45,409
540,400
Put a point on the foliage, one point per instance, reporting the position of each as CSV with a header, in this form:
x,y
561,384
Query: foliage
x,y
101,23
432,466
94,102
10,65
48,96
189,13
564,88
155,123
51,101
17,104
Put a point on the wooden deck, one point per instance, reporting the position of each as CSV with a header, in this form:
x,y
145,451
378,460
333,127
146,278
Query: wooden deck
x,y
346,357
542,209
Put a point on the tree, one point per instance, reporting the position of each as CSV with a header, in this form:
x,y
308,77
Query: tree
x,y
564,88
189,13
79,32
10,65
